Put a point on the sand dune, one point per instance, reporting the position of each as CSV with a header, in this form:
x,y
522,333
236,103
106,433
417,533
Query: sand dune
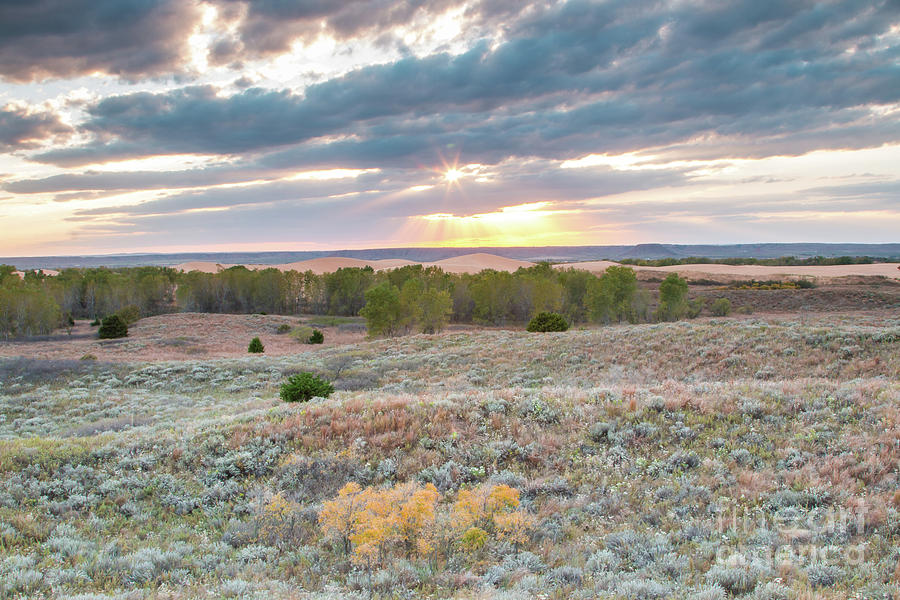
x,y
468,263
316,265
47,272
741,272
747,272
473,263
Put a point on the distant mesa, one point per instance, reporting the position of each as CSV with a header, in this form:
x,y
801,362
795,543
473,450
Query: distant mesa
x,y
650,252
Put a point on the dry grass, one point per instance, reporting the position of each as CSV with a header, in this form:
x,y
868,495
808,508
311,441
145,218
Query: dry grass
x,y
656,461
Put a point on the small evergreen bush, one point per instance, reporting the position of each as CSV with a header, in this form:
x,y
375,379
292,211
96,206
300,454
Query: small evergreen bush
x,y
256,346
304,386
316,337
112,327
548,321
283,328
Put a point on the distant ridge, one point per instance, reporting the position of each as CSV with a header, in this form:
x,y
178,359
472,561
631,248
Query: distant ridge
x,y
532,254
650,251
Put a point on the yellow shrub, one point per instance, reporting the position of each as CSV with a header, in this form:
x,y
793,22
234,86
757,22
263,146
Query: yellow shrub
x,y
372,522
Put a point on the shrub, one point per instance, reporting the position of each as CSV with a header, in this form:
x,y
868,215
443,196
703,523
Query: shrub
x,y
820,575
547,321
256,346
301,333
113,327
305,386
695,307
720,307
316,337
130,314
283,328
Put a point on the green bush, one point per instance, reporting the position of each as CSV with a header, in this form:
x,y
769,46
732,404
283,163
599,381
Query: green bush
x,y
113,327
95,322
316,337
305,386
130,314
721,307
547,321
283,328
256,346
301,333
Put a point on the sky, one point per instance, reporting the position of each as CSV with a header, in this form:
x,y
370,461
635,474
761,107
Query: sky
x,y
226,125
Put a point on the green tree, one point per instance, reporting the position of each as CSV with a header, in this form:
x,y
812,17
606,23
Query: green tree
x,y
434,309
346,289
673,303
611,297
493,294
575,283
6,271
383,310
256,346
26,311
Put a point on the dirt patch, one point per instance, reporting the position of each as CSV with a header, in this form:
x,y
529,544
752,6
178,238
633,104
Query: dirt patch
x,y
183,336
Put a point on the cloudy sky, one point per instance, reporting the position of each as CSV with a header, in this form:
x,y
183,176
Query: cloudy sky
x,y
172,125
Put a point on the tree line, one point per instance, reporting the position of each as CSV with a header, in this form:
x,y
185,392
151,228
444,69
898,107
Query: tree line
x,y
407,299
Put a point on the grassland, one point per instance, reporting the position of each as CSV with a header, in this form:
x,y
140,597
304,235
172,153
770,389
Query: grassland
x,y
753,457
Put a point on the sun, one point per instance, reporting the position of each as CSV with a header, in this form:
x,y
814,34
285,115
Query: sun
x,y
452,175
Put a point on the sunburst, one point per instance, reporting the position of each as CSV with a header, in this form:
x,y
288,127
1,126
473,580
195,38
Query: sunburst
x,y
452,175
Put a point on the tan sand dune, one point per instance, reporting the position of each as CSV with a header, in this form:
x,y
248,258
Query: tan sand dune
x,y
202,266
391,263
333,263
328,264
316,265
47,272
740,272
473,263
760,272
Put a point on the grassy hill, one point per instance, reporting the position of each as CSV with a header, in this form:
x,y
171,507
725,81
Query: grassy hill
x,y
697,460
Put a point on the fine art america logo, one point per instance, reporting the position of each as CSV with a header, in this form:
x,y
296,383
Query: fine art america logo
x,y
793,535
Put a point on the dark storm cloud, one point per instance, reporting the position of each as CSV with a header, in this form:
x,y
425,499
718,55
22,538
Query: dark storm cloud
x,y
65,38
21,128
572,79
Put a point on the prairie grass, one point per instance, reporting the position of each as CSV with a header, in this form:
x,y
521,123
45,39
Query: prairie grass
x,y
712,459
